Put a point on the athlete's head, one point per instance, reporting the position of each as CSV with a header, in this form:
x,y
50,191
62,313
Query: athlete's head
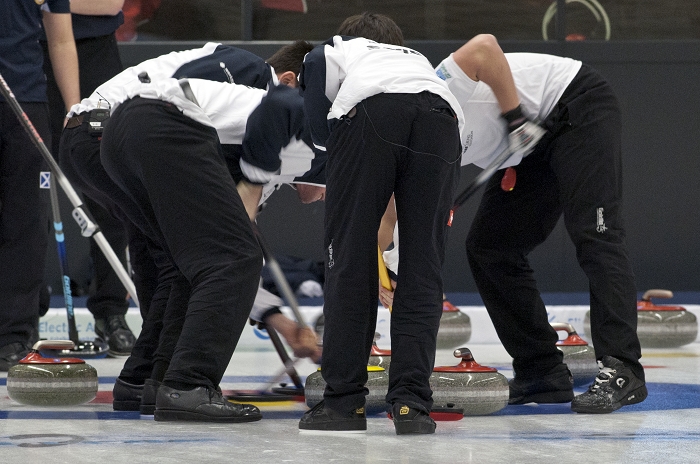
x,y
373,26
287,61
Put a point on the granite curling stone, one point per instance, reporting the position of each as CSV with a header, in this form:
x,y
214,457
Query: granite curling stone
x,y
579,356
661,326
377,383
39,381
664,326
455,327
478,390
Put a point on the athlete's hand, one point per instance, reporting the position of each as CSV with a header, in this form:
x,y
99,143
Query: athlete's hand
x,y
386,296
523,134
302,340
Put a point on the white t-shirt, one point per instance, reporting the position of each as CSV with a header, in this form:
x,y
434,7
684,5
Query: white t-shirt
x,y
540,81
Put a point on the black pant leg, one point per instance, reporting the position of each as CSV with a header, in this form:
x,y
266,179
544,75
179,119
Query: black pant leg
x,y
358,189
425,186
24,216
506,228
154,275
590,178
109,295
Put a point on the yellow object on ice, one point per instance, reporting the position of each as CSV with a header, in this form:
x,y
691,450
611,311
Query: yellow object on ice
x,y
383,274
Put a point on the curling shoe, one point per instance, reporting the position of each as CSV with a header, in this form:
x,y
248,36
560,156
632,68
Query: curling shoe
x,y
115,331
323,419
148,400
126,396
11,354
201,404
411,420
556,386
614,387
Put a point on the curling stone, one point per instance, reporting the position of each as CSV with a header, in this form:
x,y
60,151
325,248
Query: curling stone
x,y
378,356
455,327
39,381
477,390
661,326
377,383
579,356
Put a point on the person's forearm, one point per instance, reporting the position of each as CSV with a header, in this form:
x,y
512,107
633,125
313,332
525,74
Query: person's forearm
x,y
96,7
250,194
64,61
483,60
64,57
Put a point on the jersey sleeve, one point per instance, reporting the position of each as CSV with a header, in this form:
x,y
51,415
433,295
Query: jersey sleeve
x,y
229,64
270,127
319,81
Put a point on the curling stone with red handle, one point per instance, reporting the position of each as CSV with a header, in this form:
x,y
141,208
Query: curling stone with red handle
x,y
476,389
660,326
579,356
378,356
39,381
377,383
455,327
664,326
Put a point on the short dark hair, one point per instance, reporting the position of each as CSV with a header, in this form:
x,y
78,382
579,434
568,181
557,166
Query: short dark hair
x,y
290,57
373,26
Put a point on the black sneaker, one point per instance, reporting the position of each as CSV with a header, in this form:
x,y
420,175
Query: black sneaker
x,y
323,419
148,400
11,354
115,331
411,420
614,387
126,396
202,404
556,386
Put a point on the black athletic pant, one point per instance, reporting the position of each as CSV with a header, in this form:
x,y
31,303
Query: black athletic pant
x,y
406,144
24,215
575,170
140,364
172,169
99,61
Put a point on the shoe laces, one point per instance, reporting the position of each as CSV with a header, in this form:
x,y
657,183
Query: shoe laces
x,y
215,394
604,376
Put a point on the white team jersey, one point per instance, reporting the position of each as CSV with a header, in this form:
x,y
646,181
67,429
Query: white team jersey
x,y
387,69
358,68
223,106
113,92
227,107
540,81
